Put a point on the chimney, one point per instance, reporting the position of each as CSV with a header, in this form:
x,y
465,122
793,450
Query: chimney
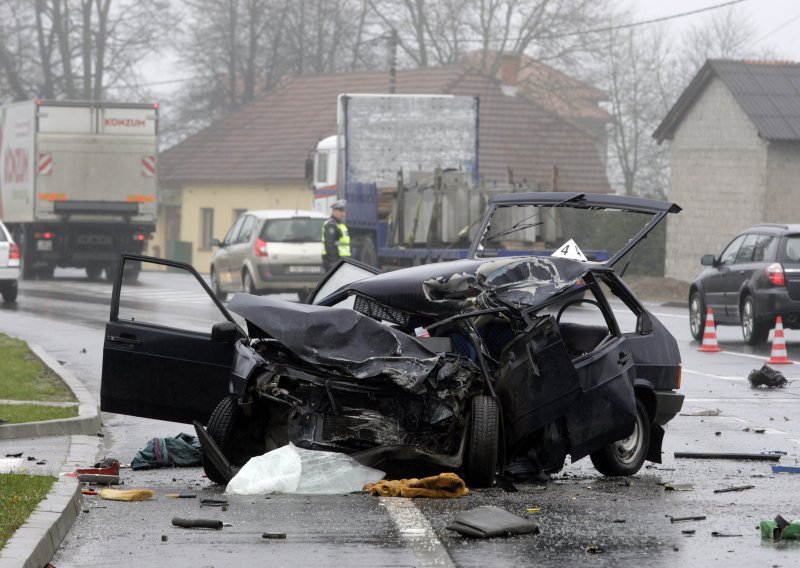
x,y
509,69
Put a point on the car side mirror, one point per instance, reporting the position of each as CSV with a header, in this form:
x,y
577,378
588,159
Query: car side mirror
x,y
708,260
216,243
224,332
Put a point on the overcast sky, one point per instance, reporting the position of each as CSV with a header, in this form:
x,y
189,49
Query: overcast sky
x,y
777,25
777,21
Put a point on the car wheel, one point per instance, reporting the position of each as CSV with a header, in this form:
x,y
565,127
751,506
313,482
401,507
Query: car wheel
x,y
93,271
46,272
368,253
626,456
215,287
247,283
227,426
10,293
753,330
483,438
697,316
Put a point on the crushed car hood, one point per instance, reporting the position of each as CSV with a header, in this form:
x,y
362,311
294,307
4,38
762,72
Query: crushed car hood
x,y
338,339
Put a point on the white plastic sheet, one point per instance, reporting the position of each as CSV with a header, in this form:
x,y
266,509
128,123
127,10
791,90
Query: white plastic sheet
x,y
295,470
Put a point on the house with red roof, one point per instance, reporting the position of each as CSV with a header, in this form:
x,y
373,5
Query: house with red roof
x,y
255,157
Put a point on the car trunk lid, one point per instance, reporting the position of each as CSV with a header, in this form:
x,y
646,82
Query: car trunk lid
x,y
607,227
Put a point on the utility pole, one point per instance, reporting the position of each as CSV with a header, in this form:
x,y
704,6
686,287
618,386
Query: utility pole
x,y
393,61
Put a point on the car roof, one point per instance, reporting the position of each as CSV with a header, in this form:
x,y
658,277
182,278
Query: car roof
x,y
285,214
778,228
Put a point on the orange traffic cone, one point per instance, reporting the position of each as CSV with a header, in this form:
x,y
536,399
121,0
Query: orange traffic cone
x,y
709,334
778,354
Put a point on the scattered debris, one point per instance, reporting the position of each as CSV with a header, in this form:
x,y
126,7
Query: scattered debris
x,y
691,518
759,430
489,521
290,469
728,456
181,451
438,486
785,469
715,533
718,433
163,538
18,455
768,377
213,503
534,509
739,488
274,535
620,521
716,412
88,492
689,531
678,486
594,549
104,473
780,529
127,494
181,495
197,523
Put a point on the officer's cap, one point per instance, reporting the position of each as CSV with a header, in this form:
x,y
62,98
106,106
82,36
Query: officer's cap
x,y
339,204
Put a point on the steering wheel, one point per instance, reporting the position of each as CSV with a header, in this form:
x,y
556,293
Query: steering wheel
x,y
575,302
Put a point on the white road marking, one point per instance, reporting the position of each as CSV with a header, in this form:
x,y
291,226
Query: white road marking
x,y
713,376
417,531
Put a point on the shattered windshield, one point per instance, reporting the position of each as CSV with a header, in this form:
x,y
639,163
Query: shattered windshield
x,y
596,233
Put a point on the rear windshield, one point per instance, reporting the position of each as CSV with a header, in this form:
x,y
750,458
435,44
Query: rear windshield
x,y
295,230
792,250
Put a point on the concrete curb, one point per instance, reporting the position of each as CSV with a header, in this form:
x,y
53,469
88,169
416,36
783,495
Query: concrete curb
x,y
35,543
87,422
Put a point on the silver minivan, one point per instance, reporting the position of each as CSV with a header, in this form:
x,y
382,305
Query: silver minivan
x,y
9,265
269,251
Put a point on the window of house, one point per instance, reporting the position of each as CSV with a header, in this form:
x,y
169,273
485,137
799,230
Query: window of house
x,y
206,227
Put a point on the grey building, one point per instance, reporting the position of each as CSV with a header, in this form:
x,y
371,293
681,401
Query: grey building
x,y
735,156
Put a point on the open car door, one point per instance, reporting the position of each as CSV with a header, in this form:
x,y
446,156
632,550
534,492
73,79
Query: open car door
x,y
168,351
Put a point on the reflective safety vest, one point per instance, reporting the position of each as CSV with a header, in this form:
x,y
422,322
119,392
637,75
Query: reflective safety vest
x,y
343,244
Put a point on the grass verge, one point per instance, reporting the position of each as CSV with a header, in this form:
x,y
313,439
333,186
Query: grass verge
x,y
18,413
23,376
19,496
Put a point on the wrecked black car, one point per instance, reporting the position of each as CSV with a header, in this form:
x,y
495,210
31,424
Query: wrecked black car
x,y
512,358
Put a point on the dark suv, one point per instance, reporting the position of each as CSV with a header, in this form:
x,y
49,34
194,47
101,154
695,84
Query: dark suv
x,y
754,280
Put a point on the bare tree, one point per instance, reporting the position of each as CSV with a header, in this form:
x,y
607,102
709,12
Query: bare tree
x,y
77,48
441,32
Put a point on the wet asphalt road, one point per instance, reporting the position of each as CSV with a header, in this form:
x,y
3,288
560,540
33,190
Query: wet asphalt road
x,y
626,519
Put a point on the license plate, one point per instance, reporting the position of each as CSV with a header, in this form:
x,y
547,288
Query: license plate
x,y
44,245
306,269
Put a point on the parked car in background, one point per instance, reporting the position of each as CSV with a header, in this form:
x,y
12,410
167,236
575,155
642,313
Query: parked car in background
x,y
9,265
490,361
754,280
269,251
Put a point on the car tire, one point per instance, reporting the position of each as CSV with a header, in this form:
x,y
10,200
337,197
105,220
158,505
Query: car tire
x,y
247,283
754,331
10,293
481,463
626,456
225,426
697,316
46,272
94,271
369,255
215,287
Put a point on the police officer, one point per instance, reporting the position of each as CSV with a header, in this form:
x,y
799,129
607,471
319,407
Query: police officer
x,y
335,238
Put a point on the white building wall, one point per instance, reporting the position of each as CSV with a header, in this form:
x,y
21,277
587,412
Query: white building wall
x,y
718,176
782,204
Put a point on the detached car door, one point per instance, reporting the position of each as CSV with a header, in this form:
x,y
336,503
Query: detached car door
x,y
169,344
